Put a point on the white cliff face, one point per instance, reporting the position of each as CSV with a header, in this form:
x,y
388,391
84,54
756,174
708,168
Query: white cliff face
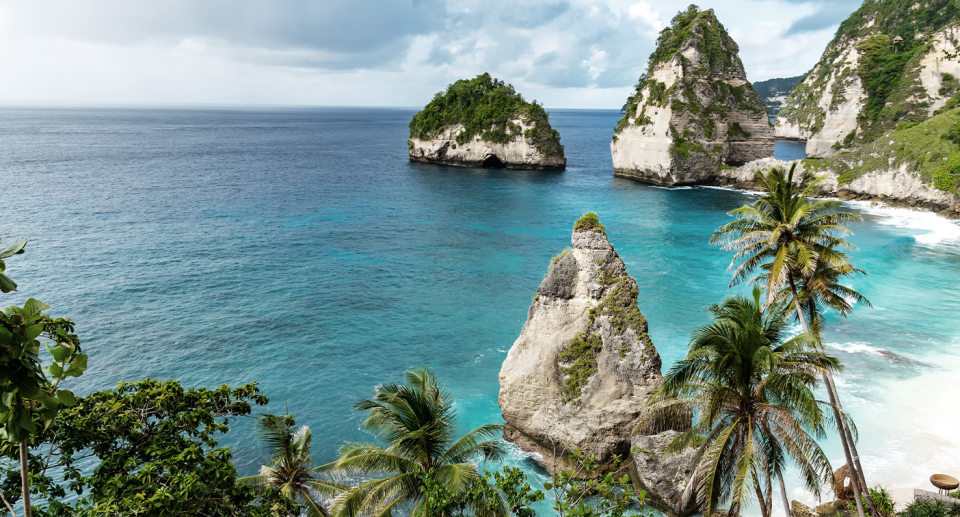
x,y
692,115
518,153
843,99
825,107
944,58
896,185
648,147
584,296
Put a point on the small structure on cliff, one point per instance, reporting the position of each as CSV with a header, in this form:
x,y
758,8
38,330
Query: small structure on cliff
x,y
583,368
693,111
483,122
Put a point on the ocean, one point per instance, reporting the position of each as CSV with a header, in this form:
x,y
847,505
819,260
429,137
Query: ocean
x,y
300,248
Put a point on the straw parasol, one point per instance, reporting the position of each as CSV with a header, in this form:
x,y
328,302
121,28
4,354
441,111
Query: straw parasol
x,y
843,484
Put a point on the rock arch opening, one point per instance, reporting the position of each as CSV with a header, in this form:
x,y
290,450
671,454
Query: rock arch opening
x,y
492,162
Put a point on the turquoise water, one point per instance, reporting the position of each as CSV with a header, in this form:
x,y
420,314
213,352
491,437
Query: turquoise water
x,y
301,249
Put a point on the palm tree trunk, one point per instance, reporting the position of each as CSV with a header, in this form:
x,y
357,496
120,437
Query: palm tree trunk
x,y
764,511
833,402
25,479
853,450
783,494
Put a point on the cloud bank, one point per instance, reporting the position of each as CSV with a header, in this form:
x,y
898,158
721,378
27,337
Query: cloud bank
x,y
566,53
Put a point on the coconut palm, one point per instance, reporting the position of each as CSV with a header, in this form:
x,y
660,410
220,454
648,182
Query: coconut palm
x,y
416,422
752,393
790,237
291,465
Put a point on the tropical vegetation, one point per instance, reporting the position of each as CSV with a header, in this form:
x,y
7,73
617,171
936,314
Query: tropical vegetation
x,y
416,424
488,108
751,389
797,245
290,469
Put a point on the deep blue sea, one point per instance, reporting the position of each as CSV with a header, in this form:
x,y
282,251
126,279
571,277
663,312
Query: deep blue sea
x,y
301,249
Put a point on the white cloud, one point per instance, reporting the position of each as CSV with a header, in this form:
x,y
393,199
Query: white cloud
x,y
564,53
646,13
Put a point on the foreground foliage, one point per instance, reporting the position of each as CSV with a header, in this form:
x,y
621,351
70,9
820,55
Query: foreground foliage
x,y
291,465
485,107
752,392
797,243
147,448
416,421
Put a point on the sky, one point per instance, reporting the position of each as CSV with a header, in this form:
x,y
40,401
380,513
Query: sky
x,y
563,53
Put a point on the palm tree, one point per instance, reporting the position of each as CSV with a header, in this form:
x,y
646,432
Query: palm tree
x,y
752,393
291,465
791,237
416,421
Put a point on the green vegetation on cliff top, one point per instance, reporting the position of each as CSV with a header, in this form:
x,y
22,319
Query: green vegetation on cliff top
x,y
705,32
930,149
888,70
485,107
707,102
904,18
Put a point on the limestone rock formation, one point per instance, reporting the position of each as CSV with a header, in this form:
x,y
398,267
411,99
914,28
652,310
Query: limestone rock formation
x,y
583,367
664,479
890,63
483,122
694,112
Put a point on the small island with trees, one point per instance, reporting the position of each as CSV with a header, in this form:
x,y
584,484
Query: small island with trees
x,y
484,122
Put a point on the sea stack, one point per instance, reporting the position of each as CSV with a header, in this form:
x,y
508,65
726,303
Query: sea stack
x,y
483,122
694,111
584,367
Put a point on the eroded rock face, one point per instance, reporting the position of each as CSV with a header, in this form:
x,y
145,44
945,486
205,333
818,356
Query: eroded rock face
x,y
519,153
664,479
693,112
583,366
896,186
827,110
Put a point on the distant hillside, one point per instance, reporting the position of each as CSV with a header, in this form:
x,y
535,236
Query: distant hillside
x,y
775,91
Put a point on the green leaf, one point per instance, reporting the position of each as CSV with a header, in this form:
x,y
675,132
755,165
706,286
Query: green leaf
x,y
77,366
29,389
34,330
49,402
7,285
16,249
33,308
60,353
67,398
26,422
56,370
8,398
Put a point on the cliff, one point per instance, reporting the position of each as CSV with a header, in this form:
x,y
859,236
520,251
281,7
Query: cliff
x,y
693,112
483,122
583,367
916,165
775,92
890,62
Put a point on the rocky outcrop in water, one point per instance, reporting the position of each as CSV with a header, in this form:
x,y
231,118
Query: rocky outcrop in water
x,y
889,64
483,122
519,152
895,185
584,366
694,112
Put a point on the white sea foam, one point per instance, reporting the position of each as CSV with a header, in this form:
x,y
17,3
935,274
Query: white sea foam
x,y
934,229
856,347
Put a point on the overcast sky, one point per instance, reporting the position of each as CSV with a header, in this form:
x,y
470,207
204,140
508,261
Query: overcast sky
x,y
564,53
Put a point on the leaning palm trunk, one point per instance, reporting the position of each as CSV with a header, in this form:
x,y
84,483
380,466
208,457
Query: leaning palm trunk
x,y
783,494
834,403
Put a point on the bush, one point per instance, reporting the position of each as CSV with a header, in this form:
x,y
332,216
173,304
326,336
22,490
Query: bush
x,y
927,508
589,222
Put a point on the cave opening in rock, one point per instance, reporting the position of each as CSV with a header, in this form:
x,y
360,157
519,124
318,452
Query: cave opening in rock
x,y
492,162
